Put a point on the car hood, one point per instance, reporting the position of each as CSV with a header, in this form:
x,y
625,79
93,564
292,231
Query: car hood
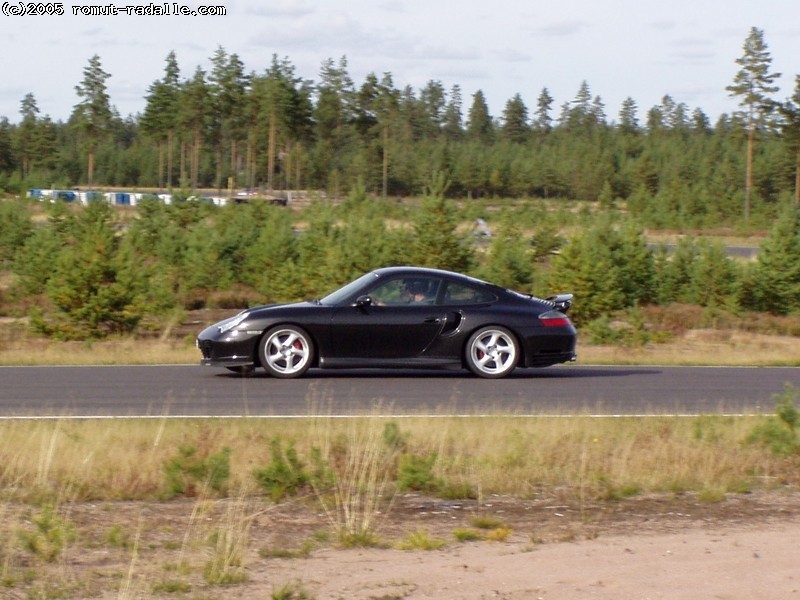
x,y
255,313
265,309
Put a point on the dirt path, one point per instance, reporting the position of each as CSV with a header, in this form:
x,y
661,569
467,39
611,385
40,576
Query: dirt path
x,y
744,547
727,563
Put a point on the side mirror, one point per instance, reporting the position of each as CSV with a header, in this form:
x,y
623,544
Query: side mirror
x,y
363,301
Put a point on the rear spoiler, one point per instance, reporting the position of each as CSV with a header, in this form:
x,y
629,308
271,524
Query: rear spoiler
x,y
561,302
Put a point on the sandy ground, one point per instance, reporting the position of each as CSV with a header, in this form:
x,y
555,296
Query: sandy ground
x,y
760,563
744,547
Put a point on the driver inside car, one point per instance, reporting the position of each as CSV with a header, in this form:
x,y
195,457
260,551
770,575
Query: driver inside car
x,y
415,292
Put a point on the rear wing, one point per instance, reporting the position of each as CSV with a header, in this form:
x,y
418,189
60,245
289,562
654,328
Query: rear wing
x,y
561,302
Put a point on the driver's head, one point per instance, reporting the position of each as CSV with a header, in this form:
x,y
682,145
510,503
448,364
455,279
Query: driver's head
x,y
416,286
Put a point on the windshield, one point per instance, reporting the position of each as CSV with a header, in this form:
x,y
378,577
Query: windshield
x,y
351,288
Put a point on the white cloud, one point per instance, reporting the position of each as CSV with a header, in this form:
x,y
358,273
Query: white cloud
x,y
624,48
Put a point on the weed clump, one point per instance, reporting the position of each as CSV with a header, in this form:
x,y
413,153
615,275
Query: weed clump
x,y
285,475
420,540
49,535
192,474
780,433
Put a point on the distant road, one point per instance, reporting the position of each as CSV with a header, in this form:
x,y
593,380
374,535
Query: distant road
x,y
563,390
748,252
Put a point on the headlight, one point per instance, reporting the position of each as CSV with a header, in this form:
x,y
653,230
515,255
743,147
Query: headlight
x,y
229,324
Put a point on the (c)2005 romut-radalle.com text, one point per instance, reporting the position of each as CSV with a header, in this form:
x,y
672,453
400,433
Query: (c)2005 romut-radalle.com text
x,y
163,9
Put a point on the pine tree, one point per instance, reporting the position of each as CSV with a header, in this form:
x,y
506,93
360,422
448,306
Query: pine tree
x,y
453,127
92,115
193,114
227,88
700,122
27,134
579,115
776,273
628,121
15,229
515,127
510,257
479,122
334,115
88,286
713,276
542,121
160,118
753,85
674,272
790,126
436,242
273,99
586,268
432,104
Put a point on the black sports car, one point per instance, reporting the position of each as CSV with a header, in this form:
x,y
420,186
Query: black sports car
x,y
398,317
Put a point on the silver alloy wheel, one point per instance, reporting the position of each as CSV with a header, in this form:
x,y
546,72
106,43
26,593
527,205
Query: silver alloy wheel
x,y
286,352
492,352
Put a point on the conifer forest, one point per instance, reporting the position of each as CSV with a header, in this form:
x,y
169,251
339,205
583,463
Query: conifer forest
x,y
395,175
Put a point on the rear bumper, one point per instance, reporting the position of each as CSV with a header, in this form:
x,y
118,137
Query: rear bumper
x,y
550,346
546,360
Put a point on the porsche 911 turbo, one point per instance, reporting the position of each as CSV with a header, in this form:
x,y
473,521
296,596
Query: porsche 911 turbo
x,y
398,317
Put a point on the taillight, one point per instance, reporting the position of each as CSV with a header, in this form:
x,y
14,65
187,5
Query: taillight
x,y
554,320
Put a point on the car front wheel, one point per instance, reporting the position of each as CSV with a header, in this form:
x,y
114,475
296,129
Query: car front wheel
x,y
286,351
492,352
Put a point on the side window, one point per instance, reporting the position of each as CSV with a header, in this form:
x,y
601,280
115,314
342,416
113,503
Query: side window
x,y
457,293
389,293
406,290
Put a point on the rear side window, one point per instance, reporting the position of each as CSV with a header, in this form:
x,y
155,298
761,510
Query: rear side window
x,y
457,293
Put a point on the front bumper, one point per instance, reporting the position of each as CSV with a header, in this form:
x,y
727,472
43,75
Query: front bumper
x,y
231,349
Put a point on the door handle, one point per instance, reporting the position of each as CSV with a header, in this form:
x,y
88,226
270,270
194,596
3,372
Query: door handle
x,y
435,320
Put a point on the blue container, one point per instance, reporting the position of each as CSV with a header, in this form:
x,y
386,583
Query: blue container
x,y
65,195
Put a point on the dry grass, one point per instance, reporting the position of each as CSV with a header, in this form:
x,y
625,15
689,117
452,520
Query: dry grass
x,y
702,347
83,513
124,460
26,350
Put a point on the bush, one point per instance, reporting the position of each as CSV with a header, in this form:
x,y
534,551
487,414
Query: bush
x,y
190,474
779,433
415,472
49,536
285,475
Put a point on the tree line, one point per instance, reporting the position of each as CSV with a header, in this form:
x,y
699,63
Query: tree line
x,y
93,271
225,127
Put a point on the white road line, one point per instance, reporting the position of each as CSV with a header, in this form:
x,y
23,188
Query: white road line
x,y
387,416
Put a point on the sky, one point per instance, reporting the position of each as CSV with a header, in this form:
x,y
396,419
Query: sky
x,y
639,49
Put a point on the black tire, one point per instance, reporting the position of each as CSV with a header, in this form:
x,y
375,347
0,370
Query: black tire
x,y
286,351
492,352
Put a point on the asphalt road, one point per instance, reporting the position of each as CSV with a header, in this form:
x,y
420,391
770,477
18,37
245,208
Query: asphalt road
x,y
563,390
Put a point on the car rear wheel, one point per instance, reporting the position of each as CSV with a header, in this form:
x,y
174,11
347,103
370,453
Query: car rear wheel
x,y
492,352
286,351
